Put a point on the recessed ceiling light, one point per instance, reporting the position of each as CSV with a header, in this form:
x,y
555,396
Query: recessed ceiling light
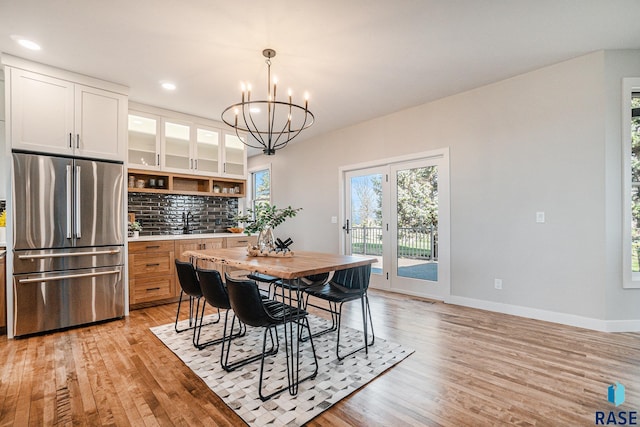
x,y
29,44
168,86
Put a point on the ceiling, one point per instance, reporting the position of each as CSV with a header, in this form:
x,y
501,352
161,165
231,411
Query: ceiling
x,y
358,59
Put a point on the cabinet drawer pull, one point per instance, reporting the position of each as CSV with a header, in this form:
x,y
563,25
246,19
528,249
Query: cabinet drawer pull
x,y
153,247
153,265
153,289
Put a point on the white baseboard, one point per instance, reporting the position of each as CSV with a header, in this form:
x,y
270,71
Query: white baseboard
x,y
549,316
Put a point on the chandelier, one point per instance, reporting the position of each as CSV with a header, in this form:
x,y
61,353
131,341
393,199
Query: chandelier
x,y
270,123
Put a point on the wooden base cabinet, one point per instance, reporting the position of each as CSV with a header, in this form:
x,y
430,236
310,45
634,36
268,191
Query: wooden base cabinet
x,y
195,245
151,271
152,275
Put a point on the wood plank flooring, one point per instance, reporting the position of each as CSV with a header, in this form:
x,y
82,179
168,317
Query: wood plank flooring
x,y
470,367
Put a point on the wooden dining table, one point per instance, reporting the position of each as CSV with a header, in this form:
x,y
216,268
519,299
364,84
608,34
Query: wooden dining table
x,y
300,264
289,268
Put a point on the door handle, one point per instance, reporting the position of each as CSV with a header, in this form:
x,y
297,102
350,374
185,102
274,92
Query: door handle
x,y
72,254
346,227
69,199
78,204
77,140
70,140
67,276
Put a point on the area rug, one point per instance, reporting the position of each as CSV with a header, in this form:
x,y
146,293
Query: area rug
x,y
239,389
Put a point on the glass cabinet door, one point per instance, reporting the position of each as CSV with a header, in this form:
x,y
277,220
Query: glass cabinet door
x,y
207,160
177,147
144,144
235,156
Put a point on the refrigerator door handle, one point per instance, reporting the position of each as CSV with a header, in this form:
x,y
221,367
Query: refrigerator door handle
x,y
66,255
69,200
77,210
68,276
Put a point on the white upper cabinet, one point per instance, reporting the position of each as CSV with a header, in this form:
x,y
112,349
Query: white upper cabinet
x,y
235,155
177,147
58,116
144,141
174,142
207,151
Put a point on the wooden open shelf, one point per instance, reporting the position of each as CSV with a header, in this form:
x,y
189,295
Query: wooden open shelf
x,y
175,183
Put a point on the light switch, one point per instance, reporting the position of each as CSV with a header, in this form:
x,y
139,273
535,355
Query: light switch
x,y
540,217
334,220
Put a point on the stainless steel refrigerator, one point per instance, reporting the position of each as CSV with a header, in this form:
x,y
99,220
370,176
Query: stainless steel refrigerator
x,y
68,242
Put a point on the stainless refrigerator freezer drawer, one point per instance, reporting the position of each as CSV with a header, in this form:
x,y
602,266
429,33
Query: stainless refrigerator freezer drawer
x,y
49,301
42,260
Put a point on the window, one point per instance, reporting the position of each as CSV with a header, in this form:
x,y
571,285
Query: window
x,y
631,140
260,183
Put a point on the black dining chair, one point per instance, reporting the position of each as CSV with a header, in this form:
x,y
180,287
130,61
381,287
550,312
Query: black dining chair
x,y
215,294
346,285
190,286
264,278
253,310
295,286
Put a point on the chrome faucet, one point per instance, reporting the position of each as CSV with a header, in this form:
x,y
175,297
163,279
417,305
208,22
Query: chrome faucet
x,y
185,222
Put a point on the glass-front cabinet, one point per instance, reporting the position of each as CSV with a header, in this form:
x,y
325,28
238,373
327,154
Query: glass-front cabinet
x,y
144,141
235,155
207,151
176,144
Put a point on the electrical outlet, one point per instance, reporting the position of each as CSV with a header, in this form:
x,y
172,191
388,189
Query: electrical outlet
x,y
334,220
540,217
497,283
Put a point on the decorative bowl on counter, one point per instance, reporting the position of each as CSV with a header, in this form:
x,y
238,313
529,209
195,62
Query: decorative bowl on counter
x,y
236,229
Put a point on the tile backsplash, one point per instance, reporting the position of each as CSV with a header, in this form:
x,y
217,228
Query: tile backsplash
x,y
163,213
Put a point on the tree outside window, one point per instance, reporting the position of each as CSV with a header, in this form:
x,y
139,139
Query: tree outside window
x,y
260,187
635,182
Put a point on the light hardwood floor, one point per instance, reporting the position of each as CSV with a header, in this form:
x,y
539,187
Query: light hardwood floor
x,y
470,367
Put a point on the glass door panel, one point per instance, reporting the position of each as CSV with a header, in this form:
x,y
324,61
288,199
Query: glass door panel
x,y
143,142
177,146
365,226
208,151
416,216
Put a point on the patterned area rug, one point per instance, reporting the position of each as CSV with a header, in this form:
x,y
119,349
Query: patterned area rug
x,y
239,389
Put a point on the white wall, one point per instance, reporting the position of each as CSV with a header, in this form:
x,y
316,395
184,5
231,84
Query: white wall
x,y
542,141
620,303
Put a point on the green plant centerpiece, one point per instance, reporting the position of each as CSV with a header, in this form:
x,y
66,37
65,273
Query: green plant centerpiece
x,y
262,220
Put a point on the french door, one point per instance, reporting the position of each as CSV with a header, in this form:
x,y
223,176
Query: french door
x,y
399,214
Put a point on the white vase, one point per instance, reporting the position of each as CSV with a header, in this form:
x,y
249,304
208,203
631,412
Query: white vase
x,y
136,234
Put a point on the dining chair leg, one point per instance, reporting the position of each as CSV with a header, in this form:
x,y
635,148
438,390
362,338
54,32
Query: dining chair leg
x,y
196,336
191,325
293,368
366,313
332,310
238,363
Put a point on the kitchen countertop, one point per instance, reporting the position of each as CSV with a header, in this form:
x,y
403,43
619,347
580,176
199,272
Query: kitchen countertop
x,y
185,236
